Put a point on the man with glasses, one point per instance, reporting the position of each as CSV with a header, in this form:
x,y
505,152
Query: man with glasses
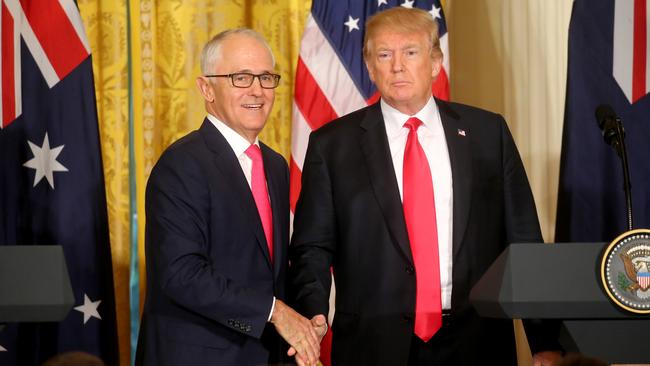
x,y
217,233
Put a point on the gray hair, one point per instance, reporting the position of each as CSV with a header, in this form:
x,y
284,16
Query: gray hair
x,y
212,50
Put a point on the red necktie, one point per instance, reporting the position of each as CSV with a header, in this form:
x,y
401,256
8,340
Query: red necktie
x,y
420,215
261,194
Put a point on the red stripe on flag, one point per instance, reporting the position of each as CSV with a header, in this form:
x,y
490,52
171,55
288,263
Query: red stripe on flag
x,y
8,89
374,98
640,49
56,34
295,177
310,99
440,86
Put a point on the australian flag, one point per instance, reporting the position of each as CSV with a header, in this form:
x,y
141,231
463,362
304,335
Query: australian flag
x,y
51,178
608,64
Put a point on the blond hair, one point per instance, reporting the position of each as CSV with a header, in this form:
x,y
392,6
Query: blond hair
x,y
402,20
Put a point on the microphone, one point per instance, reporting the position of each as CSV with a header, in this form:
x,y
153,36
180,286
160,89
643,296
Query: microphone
x,y
614,135
608,122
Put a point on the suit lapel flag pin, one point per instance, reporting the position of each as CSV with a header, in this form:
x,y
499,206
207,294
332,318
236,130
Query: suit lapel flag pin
x,y
461,133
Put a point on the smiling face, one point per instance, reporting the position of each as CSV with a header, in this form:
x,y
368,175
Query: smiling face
x,y
402,66
245,110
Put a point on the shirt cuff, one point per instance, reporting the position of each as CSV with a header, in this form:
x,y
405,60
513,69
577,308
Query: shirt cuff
x,y
272,308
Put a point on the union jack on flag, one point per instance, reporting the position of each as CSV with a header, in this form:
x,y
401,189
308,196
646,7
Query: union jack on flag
x,y
51,176
332,80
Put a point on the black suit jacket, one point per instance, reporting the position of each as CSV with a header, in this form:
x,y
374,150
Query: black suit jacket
x,y
210,283
349,216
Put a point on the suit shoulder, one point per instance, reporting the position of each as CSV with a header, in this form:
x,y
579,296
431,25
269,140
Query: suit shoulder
x,y
345,124
465,111
182,153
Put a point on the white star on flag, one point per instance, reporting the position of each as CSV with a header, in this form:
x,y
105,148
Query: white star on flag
x,y
44,161
382,2
435,12
352,23
408,4
89,309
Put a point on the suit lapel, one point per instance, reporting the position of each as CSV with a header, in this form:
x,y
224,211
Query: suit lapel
x,y
227,163
458,136
374,145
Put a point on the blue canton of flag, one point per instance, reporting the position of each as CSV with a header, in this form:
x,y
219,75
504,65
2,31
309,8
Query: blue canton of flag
x,y
51,180
608,59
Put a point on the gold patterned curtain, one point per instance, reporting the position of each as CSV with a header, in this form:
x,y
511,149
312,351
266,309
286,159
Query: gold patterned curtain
x,y
145,60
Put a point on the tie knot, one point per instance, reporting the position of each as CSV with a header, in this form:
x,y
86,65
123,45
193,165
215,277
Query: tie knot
x,y
254,152
413,123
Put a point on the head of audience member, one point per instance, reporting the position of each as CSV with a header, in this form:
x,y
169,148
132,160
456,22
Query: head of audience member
x,y
74,358
402,52
238,80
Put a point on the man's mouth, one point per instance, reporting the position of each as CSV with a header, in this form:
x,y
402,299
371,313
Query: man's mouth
x,y
255,106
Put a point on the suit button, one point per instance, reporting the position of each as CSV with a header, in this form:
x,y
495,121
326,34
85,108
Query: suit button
x,y
407,318
410,270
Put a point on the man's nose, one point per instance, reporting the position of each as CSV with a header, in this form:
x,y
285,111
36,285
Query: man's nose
x,y
397,65
256,87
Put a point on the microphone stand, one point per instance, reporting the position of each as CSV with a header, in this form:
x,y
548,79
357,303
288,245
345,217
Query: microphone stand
x,y
622,153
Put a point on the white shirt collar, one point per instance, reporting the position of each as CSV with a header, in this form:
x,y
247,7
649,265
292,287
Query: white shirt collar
x,y
236,141
395,119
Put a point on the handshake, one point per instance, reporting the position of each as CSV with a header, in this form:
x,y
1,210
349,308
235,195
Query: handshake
x,y
302,334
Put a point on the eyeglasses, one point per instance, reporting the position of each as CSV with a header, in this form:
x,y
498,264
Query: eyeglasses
x,y
245,79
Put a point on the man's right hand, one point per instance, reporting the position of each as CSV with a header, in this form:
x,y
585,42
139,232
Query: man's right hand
x,y
319,323
298,331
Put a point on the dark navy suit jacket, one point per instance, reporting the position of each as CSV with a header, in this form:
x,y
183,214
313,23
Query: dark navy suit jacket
x,y
210,281
349,216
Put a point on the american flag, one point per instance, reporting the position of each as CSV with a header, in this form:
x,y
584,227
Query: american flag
x,y
51,177
331,77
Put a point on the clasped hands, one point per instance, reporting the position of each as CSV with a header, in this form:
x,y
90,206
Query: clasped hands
x,y
302,334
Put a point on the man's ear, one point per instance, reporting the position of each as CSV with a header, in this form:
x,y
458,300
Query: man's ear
x,y
371,71
205,88
437,66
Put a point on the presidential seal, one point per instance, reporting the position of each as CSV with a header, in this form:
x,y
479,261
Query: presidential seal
x,y
625,271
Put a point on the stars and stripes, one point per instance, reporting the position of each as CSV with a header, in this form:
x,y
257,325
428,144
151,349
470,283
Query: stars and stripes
x,y
631,39
643,278
331,78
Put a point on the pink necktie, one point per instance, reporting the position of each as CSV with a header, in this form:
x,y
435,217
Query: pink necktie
x,y
420,216
261,194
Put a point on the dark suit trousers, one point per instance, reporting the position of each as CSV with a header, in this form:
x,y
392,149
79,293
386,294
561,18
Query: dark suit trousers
x,y
450,346
439,350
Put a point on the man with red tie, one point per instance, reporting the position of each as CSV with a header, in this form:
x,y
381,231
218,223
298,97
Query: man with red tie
x,y
409,200
217,206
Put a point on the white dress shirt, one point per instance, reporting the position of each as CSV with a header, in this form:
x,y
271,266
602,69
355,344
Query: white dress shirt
x,y
432,139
